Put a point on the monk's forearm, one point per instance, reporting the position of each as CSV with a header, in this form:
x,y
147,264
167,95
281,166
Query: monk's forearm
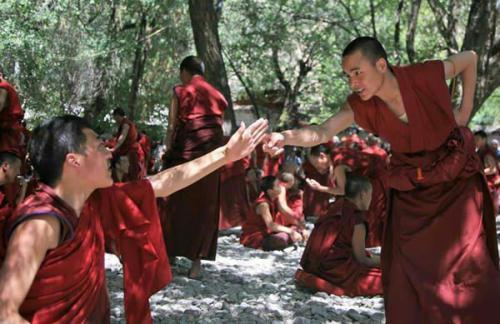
x,y
305,137
176,178
469,78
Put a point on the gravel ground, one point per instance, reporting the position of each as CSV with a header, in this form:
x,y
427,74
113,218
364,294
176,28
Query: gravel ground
x,y
245,286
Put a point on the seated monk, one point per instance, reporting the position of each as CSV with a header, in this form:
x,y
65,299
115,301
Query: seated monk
x,y
318,166
291,198
53,271
262,228
335,259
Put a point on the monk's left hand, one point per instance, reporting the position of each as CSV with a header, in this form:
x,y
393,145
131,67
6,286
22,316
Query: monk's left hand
x,y
244,141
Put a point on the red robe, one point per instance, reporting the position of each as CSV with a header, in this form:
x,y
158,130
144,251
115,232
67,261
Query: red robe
x,y
13,134
254,229
315,202
145,143
190,217
373,167
294,200
131,148
328,261
440,254
271,165
233,195
70,285
376,150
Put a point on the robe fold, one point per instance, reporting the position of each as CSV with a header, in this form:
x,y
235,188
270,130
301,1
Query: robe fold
x,y
328,261
70,285
315,202
190,217
439,254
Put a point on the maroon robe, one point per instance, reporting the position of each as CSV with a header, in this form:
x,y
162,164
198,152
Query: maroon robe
x,y
294,200
234,204
5,212
328,261
12,131
190,217
440,254
374,168
70,285
271,165
315,202
132,149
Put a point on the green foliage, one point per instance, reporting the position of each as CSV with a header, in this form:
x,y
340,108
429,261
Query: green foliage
x,y
77,56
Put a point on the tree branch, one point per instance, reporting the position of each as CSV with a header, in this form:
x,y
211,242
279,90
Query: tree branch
x,y
372,16
397,32
412,27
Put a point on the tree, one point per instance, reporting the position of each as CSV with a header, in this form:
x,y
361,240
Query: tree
x,y
206,37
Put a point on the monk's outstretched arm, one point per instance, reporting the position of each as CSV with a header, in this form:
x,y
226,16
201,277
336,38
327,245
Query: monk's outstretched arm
x,y
240,145
285,209
26,250
311,135
463,64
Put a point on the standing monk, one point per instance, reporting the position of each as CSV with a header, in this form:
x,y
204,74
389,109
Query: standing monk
x,y
127,145
53,271
190,218
439,254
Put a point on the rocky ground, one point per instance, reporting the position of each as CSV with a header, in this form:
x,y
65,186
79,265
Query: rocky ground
x,y
245,286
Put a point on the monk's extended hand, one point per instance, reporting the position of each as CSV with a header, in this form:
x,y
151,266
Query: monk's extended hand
x,y
244,141
274,143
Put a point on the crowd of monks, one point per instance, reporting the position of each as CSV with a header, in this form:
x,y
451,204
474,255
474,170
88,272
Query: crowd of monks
x,y
357,189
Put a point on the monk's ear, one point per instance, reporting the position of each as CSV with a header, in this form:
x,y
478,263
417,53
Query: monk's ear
x,y
73,159
381,65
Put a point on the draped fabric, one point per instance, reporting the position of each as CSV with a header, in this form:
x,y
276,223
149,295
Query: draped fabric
x,y
132,149
234,205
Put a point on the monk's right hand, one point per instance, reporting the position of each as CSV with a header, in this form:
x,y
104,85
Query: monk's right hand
x,y
274,143
244,141
13,318
295,236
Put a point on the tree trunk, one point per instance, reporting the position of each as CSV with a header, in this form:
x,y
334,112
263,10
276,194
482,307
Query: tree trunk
x,y
412,27
397,32
208,47
481,36
140,56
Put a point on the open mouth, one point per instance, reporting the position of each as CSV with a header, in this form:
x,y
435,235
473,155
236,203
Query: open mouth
x,y
359,91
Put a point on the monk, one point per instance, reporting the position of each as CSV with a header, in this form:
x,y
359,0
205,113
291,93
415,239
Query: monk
x,y
439,253
53,271
253,177
194,128
11,116
291,198
318,167
126,145
335,259
262,228
488,158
